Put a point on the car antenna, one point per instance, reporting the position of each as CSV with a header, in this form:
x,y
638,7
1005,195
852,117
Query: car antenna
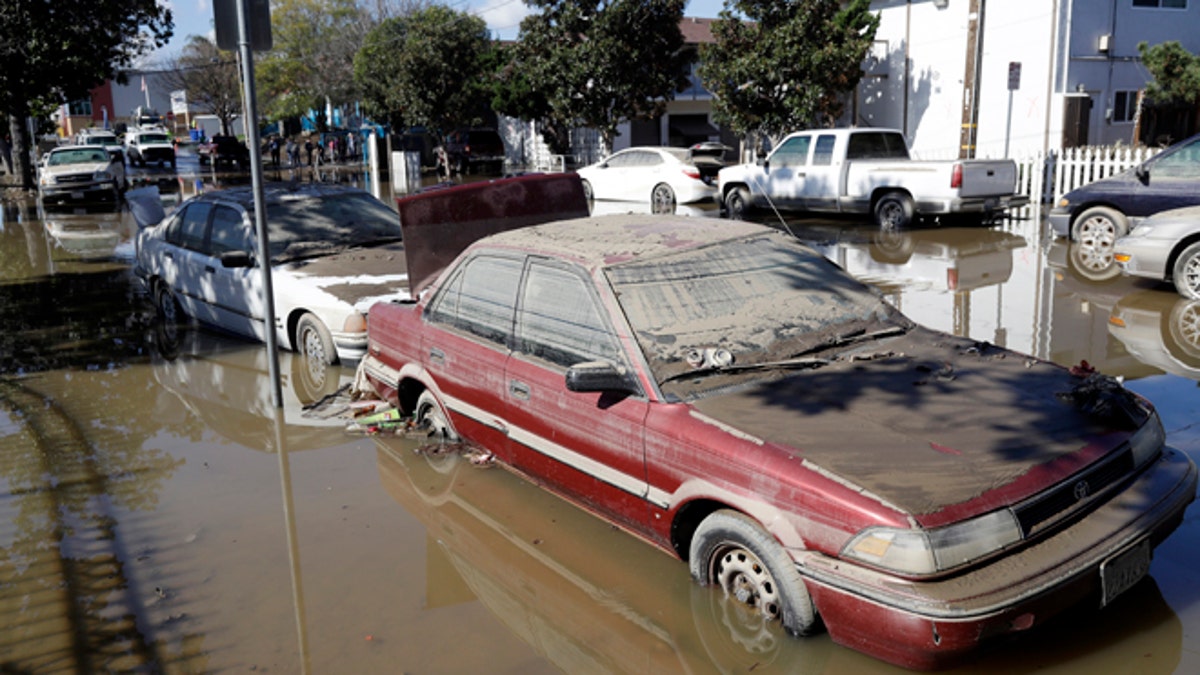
x,y
767,195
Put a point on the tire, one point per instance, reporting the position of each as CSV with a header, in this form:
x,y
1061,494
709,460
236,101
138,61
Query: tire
x,y
731,551
662,199
313,340
587,191
737,203
1186,274
169,317
1181,334
428,412
894,211
1099,226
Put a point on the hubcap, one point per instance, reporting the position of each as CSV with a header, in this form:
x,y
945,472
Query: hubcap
x,y
743,576
1191,276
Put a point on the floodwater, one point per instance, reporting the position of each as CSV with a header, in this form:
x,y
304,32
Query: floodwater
x,y
157,514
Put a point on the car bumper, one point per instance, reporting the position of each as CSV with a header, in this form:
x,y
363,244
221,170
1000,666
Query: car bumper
x,y
972,204
1143,257
932,624
350,346
1060,221
90,192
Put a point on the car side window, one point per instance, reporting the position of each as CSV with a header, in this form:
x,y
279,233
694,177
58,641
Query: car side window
x,y
480,298
792,152
229,232
560,320
190,229
823,154
621,160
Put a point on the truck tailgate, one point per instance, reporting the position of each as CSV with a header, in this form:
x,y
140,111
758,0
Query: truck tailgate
x,y
988,177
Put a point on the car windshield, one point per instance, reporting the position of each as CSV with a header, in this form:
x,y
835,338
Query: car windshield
x,y
100,140
77,156
152,138
763,299
307,227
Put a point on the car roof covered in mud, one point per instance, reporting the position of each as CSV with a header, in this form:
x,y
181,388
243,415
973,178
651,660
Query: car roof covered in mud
x,y
277,192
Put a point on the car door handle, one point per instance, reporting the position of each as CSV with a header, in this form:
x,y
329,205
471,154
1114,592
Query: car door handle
x,y
437,356
169,255
518,389
209,269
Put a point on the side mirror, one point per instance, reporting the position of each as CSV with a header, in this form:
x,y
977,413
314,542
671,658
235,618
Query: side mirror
x,y
600,376
1142,171
237,259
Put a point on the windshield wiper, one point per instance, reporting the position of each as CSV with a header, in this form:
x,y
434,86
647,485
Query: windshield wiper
x,y
748,367
852,337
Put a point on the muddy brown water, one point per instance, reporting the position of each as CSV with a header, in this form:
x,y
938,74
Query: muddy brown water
x,y
157,514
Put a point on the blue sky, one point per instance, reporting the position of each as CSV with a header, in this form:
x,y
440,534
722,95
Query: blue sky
x,y
194,17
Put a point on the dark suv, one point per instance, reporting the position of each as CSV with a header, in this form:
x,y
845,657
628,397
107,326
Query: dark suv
x,y
475,150
224,150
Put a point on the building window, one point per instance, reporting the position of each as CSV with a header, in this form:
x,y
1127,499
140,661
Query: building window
x,y
1164,4
83,107
1125,106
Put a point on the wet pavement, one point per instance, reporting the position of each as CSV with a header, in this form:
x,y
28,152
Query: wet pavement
x,y
157,514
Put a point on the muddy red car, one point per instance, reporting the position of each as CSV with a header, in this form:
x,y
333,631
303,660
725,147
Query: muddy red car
x,y
732,397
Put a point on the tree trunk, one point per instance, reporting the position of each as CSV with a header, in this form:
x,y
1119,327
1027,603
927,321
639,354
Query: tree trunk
x,y
21,143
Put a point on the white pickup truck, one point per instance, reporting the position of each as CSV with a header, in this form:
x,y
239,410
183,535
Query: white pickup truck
x,y
867,171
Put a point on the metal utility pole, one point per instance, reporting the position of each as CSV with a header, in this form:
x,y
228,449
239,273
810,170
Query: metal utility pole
x,y
970,116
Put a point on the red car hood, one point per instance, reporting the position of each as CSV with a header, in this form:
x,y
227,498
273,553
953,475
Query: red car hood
x,y
939,427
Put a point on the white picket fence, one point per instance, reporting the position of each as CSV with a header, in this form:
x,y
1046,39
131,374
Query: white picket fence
x,y
1048,176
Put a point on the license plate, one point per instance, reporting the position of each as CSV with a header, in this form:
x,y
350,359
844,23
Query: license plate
x,y
1120,572
76,195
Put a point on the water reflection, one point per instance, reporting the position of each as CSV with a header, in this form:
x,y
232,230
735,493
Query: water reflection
x,y
1160,329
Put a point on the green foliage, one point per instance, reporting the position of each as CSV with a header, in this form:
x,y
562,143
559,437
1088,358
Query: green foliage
x,y
428,68
596,63
1176,73
314,42
787,64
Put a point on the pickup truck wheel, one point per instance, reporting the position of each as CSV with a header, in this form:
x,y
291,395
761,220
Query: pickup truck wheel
x,y
730,550
313,340
1099,226
894,211
430,415
662,199
1186,275
737,203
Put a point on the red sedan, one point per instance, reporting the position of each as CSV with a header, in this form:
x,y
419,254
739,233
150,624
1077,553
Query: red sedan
x,y
729,395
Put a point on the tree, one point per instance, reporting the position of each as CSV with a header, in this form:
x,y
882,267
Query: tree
x,y
1176,84
310,63
211,79
598,63
787,64
428,68
57,51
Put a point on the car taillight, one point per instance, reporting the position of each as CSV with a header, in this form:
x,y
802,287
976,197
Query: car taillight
x,y
956,176
691,172
952,279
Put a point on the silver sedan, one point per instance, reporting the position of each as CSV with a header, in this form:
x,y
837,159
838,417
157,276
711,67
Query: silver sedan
x,y
1166,247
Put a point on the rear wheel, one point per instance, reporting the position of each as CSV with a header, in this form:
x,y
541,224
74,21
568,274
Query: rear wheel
x,y
894,211
1186,274
430,414
313,340
730,550
662,199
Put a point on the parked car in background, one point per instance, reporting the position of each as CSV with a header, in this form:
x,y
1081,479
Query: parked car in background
x,y
1165,247
151,146
663,176
220,150
475,150
732,397
334,251
80,173
1101,211
104,138
868,171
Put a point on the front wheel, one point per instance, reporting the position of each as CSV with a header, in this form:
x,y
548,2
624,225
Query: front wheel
x,y
313,340
1099,227
662,199
1186,275
587,191
894,211
730,550
737,203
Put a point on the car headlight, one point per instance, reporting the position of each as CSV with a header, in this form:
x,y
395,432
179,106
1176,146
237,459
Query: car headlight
x,y
1143,229
48,180
355,323
1148,441
1064,202
102,176
924,552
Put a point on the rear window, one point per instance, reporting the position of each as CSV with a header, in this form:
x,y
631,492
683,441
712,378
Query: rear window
x,y
877,146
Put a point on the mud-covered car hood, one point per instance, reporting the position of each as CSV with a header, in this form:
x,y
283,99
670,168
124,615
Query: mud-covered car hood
x,y
934,422
360,276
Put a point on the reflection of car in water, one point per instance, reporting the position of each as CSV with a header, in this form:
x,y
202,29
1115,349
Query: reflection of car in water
x,y
950,259
87,234
1161,330
588,598
226,383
